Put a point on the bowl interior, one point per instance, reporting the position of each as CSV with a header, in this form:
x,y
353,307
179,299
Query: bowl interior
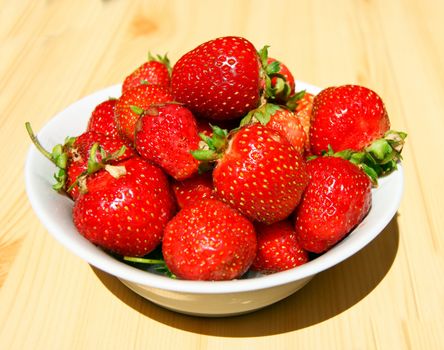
x,y
54,211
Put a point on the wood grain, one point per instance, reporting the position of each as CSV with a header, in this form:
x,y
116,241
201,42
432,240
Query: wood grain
x,y
388,296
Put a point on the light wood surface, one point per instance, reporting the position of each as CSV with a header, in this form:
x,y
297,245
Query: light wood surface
x,y
388,296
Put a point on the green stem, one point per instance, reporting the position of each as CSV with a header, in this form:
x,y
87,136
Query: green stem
x,y
158,264
37,143
144,260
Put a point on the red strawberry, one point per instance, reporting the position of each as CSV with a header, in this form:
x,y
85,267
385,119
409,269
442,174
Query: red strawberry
x,y
125,213
74,171
165,134
102,119
282,81
278,248
79,155
336,199
133,102
281,120
260,173
107,149
347,117
304,103
303,113
220,79
155,71
193,189
79,150
208,240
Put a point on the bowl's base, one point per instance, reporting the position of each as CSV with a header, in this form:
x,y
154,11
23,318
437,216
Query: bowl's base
x,y
217,305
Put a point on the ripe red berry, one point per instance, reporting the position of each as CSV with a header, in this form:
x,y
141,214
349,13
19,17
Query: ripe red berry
x,y
133,102
125,214
154,71
278,248
102,119
304,114
260,174
220,79
347,117
80,149
336,199
193,189
208,240
166,134
285,122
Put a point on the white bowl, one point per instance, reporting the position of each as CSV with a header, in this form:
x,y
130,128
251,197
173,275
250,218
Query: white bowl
x,y
191,297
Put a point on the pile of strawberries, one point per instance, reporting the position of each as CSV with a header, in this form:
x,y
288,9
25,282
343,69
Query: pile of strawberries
x,y
223,165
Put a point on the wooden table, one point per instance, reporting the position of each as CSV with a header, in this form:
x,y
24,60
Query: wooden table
x,y
388,296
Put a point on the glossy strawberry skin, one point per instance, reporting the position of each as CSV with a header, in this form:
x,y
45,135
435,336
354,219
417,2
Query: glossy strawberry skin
x,y
79,153
286,123
142,96
260,174
165,134
337,198
278,248
126,215
347,117
303,112
150,72
193,189
74,170
220,79
80,149
102,119
208,240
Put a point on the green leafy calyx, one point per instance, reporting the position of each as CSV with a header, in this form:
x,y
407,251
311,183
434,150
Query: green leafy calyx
x,y
379,158
162,59
58,156
261,114
211,148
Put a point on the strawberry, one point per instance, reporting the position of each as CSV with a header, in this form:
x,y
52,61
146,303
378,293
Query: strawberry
x,y
79,156
281,120
208,240
278,248
347,117
220,79
303,112
102,118
133,102
74,172
125,208
193,189
351,122
337,198
282,81
304,103
155,71
259,172
165,134
88,153
80,148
